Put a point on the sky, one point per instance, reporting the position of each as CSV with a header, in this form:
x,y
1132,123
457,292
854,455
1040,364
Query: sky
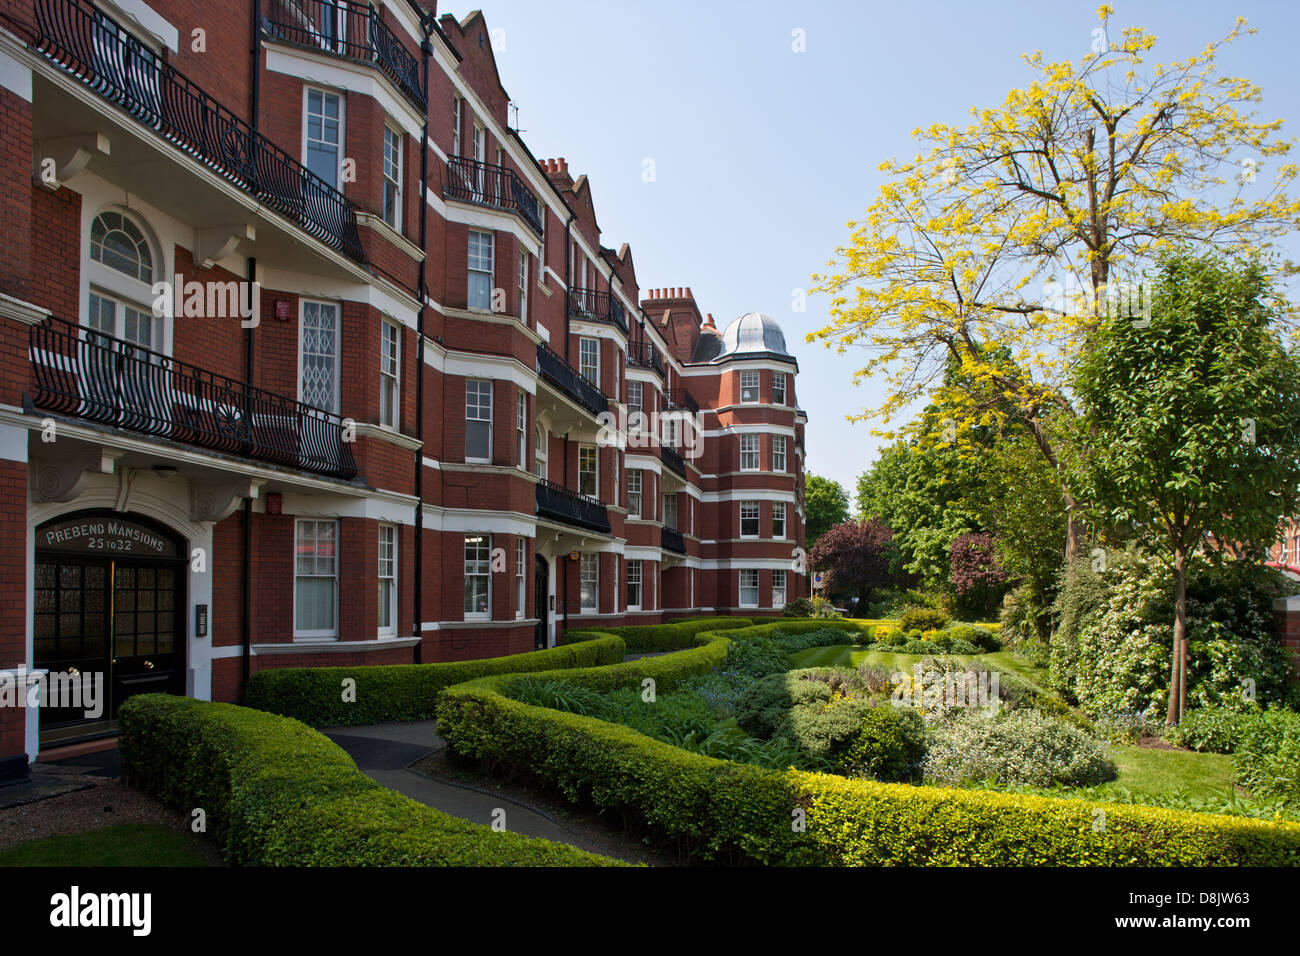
x,y
762,155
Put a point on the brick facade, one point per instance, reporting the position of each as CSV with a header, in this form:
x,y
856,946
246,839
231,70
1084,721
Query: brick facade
x,y
219,449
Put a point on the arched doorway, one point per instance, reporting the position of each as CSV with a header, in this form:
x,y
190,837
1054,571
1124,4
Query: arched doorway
x,y
109,609
541,599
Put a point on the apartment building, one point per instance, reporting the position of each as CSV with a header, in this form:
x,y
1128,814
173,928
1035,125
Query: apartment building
x,y
306,360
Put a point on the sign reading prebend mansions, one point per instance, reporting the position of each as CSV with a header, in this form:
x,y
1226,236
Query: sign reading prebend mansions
x,y
105,535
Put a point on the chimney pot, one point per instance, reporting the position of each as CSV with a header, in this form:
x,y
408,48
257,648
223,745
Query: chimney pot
x,y
688,293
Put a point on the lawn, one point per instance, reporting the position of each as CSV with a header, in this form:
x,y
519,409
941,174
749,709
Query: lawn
x,y
133,844
1153,771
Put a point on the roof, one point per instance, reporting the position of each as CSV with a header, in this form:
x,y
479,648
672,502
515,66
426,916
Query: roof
x,y
753,335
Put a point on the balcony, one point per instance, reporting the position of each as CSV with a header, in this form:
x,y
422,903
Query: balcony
x,y
561,504
497,186
645,355
350,30
592,305
554,369
89,46
672,540
679,398
673,461
95,377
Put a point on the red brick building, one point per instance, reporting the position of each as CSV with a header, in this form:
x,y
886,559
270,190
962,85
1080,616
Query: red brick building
x,y
305,360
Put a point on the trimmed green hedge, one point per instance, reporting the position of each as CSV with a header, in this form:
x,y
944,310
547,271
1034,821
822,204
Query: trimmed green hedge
x,y
720,811
660,637
387,692
277,793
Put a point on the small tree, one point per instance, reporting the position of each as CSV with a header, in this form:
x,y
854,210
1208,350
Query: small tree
x,y
857,556
977,575
1191,424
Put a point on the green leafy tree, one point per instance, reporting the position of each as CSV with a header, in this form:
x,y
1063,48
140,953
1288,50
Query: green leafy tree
x,y
826,504
1189,423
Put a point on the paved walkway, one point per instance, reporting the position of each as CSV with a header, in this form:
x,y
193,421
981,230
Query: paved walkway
x,y
384,752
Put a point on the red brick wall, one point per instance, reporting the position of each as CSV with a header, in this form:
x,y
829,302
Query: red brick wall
x,y
16,195
1288,633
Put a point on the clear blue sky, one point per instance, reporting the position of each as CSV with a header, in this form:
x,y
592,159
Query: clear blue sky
x,y
763,155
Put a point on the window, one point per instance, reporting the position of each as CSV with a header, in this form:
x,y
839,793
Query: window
x,y
635,418
387,579
778,520
749,519
478,420
749,453
670,430
390,354
634,585
393,177
749,387
634,493
120,55
521,431
778,388
670,511
480,158
523,287
778,453
614,484
748,587
323,134
316,579
540,453
589,581
588,475
480,271
318,361
478,579
589,360
778,588
117,318
521,576
118,243
456,107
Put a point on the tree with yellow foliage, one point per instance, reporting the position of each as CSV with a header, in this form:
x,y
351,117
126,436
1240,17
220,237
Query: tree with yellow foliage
x,y
999,247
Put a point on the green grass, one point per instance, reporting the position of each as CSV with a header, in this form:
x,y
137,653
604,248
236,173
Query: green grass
x,y
131,844
854,655
1153,771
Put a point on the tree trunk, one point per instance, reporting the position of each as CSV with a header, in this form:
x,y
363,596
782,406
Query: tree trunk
x,y
1178,668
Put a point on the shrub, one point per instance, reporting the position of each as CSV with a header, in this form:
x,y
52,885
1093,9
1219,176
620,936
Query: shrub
x,y
717,810
1015,747
401,691
763,707
923,619
889,746
1113,650
799,607
672,636
980,637
1267,757
277,793
1211,729
825,728
823,608
1125,727
558,695
917,646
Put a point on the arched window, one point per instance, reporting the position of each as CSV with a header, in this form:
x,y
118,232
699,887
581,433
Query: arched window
x,y
539,456
118,243
122,263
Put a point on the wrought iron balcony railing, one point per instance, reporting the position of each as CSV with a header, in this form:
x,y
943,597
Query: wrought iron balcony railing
x,y
680,398
93,48
552,367
88,375
346,28
673,460
562,504
672,540
596,306
645,355
488,185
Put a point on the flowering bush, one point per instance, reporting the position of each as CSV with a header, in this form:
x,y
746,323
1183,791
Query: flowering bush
x,y
1014,747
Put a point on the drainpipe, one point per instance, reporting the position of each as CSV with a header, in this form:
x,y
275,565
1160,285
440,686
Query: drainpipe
x,y
255,91
247,615
418,607
568,297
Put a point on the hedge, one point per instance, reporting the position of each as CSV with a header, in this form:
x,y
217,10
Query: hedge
x,y
660,637
392,692
277,793
720,811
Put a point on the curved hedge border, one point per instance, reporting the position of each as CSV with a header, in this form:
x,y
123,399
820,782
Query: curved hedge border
x,y
387,692
720,811
659,637
277,793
